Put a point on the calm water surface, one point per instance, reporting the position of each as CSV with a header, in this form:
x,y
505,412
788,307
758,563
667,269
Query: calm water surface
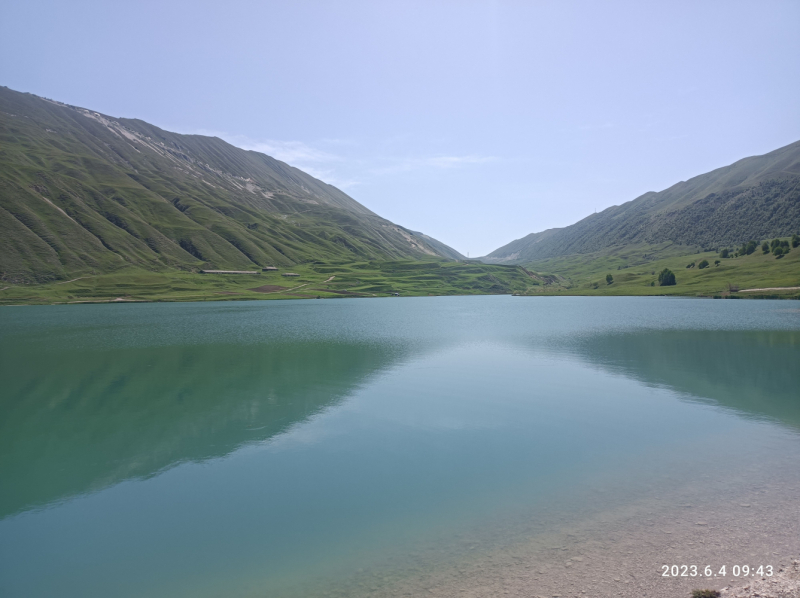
x,y
277,448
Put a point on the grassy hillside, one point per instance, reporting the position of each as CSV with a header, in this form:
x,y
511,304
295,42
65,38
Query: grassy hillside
x,y
635,269
315,280
82,194
755,198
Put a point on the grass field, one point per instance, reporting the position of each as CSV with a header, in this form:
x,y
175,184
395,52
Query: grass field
x,y
635,272
316,280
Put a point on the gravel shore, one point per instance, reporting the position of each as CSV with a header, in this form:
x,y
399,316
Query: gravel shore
x,y
616,555
784,584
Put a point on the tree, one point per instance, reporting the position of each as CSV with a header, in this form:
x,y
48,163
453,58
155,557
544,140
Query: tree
x,y
703,264
795,240
609,279
666,278
778,252
716,262
775,243
765,247
724,253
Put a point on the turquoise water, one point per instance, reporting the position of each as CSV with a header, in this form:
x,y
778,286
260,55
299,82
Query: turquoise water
x,y
279,448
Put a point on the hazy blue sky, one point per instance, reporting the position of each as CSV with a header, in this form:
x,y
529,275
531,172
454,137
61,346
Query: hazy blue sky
x,y
475,122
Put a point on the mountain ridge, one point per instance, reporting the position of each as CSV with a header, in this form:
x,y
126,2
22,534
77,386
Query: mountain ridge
x,y
82,192
754,198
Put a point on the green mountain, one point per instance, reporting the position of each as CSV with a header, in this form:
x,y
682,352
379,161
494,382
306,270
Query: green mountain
x,y
753,199
85,193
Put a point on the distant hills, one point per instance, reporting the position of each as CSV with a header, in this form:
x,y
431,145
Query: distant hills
x,y
82,192
753,199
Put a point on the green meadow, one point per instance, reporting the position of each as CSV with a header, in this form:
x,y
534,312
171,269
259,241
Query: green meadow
x,y
635,269
314,280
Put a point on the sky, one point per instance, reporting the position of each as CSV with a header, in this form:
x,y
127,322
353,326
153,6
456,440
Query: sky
x,y
474,122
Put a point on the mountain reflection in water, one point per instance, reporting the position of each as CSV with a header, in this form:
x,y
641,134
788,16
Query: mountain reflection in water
x,y
755,373
80,420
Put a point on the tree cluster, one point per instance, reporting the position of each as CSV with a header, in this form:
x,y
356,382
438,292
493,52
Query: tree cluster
x,y
666,278
779,248
776,247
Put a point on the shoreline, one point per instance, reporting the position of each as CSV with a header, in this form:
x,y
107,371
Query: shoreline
x,y
621,553
207,299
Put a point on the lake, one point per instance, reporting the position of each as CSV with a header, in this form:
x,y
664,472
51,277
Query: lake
x,y
393,446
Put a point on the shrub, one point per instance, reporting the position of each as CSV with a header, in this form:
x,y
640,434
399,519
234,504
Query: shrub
x,y
652,284
706,594
748,248
690,265
703,264
724,253
777,251
765,247
666,278
609,279
716,262
775,243
795,240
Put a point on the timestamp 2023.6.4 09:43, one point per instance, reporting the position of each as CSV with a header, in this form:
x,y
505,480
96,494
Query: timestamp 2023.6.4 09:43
x,y
723,571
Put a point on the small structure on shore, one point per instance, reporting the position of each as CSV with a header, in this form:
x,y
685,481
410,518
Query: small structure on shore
x,y
269,269
289,274
229,272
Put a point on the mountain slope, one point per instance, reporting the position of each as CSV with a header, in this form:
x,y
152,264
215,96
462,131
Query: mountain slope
x,y
754,198
439,247
81,192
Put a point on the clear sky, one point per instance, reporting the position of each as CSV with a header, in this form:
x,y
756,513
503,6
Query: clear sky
x,y
474,122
